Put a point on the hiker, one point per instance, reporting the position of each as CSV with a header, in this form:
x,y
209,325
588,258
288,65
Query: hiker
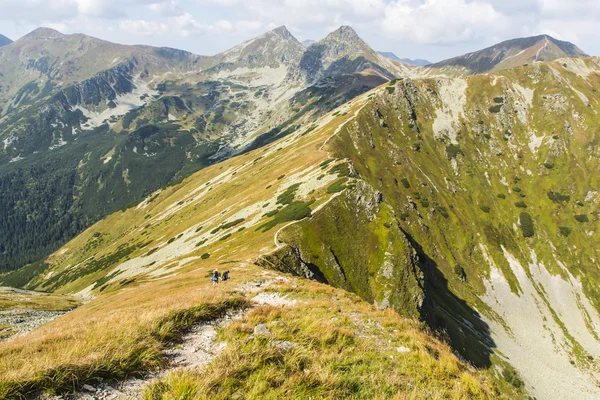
x,y
215,277
226,275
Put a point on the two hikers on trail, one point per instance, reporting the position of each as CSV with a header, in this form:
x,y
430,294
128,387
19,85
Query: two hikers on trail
x,y
216,275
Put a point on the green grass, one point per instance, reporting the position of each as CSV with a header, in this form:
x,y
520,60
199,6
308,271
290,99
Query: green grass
x,y
288,196
453,150
337,186
565,230
294,211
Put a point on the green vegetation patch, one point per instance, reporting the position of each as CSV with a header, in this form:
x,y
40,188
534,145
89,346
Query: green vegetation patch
x,y
565,230
511,376
558,198
337,186
325,163
288,196
453,150
459,271
582,218
526,224
341,170
227,225
405,183
495,109
93,265
294,211
499,100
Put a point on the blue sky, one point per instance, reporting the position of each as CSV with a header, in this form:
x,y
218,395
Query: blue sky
x,y
431,29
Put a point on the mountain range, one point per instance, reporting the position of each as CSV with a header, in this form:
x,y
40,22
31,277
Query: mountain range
x,y
419,62
121,114
370,211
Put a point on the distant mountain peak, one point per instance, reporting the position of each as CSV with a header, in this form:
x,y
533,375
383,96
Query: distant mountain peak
x,y
283,32
43,33
390,55
4,40
514,52
273,47
343,33
345,40
417,61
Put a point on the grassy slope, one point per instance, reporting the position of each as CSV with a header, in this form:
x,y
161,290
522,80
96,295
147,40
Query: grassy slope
x,y
123,330
384,149
343,349
459,200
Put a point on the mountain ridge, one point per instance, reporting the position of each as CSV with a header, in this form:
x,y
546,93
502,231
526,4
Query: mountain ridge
x,y
137,100
513,52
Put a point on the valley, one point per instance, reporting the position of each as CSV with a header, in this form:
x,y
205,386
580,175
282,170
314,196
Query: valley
x,y
426,232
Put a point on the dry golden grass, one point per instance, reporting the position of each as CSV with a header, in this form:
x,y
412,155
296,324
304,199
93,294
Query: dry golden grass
x,y
113,336
344,348
36,301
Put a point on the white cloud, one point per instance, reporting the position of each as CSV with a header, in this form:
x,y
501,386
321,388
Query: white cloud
x,y
185,25
143,28
166,7
445,27
441,21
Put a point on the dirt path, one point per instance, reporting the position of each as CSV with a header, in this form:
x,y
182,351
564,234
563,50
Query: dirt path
x,y
198,347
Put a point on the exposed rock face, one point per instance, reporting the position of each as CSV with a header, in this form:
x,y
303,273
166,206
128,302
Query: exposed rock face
x,y
342,51
271,49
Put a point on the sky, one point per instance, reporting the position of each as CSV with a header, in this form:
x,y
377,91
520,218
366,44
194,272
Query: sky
x,y
429,29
